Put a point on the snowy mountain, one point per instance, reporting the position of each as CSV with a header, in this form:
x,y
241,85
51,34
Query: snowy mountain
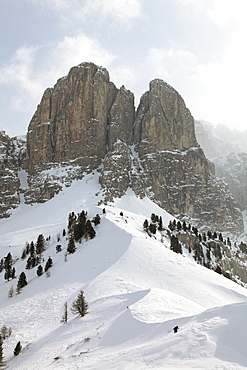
x,y
136,288
228,151
85,124
220,140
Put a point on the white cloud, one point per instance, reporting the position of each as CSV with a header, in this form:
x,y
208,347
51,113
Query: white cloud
x,y
30,77
75,50
71,11
124,10
171,64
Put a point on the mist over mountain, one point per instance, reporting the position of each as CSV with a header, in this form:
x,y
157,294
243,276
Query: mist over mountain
x,y
228,151
219,140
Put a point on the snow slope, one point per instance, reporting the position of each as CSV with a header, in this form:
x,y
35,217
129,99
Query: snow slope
x,y
136,288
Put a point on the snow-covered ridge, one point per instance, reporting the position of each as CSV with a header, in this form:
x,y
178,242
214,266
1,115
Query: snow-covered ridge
x,y
137,290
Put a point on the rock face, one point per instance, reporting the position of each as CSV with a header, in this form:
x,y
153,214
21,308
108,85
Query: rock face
x,y
10,159
85,123
233,170
78,119
176,173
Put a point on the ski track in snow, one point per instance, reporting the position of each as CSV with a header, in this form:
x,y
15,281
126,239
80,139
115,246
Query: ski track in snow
x,y
136,288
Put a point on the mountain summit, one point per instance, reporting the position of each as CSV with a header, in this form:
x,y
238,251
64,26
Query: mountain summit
x,y
85,123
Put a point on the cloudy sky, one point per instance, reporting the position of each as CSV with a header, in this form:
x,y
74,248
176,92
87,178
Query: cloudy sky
x,y
197,46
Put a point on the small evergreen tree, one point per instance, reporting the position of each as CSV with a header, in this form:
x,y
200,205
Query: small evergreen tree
x,y
24,254
32,249
90,230
160,227
17,349
22,282
214,235
96,220
71,246
175,245
179,226
40,245
32,261
11,292
152,228
58,248
80,306
48,264
39,270
8,262
184,226
145,225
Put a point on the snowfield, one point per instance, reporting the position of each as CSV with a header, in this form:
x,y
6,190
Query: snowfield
x,y
136,288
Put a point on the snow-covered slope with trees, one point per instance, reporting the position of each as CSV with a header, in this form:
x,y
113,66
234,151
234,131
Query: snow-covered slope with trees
x,y
136,288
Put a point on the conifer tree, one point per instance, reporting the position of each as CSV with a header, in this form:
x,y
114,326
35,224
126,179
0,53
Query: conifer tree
x,y
32,249
22,282
90,230
11,292
39,270
152,228
71,246
145,225
32,261
40,245
80,306
17,349
184,226
24,254
160,227
96,220
175,245
8,262
48,264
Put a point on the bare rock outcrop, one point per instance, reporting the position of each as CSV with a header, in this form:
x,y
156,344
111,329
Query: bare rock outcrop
x,y
71,122
9,184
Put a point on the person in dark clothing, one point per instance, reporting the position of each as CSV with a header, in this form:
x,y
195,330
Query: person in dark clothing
x,y
175,329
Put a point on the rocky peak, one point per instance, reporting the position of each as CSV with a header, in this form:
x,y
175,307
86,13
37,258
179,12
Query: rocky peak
x,y
86,123
163,121
71,122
